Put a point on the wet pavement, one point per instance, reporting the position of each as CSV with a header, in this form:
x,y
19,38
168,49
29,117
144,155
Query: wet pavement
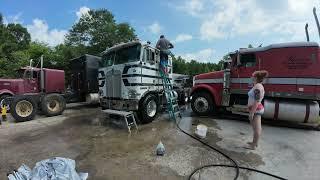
x,y
107,151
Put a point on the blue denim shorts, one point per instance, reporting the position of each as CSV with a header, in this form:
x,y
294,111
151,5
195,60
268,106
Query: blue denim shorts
x,y
259,112
164,62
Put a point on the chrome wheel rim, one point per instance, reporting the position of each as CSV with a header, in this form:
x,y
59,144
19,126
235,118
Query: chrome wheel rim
x,y
201,104
151,108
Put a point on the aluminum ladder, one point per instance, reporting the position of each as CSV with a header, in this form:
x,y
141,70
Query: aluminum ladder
x,y
127,116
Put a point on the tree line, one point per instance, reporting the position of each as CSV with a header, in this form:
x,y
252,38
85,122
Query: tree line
x,y
91,34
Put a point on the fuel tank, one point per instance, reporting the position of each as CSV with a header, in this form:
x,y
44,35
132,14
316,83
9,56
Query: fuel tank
x,y
92,98
302,112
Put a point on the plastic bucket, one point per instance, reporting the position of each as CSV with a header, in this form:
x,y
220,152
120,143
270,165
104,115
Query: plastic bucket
x,y
201,131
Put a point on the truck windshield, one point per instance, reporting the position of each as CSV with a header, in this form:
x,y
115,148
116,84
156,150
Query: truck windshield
x,y
128,54
121,56
20,73
107,59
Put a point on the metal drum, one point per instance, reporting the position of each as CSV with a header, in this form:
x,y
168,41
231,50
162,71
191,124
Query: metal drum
x,y
291,111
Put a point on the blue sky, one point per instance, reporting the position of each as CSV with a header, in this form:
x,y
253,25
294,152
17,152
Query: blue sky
x,y
200,29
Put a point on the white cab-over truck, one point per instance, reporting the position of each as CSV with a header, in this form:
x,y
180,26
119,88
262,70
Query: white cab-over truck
x,y
130,80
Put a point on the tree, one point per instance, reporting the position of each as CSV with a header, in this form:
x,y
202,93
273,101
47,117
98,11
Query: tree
x,y
13,37
19,35
98,30
1,19
250,46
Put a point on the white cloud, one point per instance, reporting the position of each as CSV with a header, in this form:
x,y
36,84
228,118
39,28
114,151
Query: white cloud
x,y
204,55
182,38
13,19
193,7
220,19
82,11
39,31
155,28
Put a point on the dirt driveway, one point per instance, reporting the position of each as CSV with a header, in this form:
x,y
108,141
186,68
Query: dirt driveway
x,y
106,151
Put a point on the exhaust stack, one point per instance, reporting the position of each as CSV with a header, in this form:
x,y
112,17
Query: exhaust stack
x,y
307,32
41,74
316,18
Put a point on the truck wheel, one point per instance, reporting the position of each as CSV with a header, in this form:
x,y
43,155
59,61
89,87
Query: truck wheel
x,y
149,109
53,104
3,99
202,103
23,108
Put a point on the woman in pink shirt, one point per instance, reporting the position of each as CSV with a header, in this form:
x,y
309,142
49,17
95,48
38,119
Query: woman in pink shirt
x,y
256,109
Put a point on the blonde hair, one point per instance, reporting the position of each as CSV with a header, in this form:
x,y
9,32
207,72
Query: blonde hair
x,y
260,75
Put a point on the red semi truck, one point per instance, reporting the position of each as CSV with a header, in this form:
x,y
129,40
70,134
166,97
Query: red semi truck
x,y
36,87
44,89
292,88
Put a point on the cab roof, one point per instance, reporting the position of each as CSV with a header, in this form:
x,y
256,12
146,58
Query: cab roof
x,y
276,46
121,45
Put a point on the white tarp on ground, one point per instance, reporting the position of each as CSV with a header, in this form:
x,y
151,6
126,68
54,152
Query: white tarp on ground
x,y
50,169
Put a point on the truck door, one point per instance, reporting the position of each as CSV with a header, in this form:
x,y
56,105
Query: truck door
x,y
31,81
150,68
242,72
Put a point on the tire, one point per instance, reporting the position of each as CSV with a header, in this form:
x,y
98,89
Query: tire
x,y
53,104
2,99
202,104
148,109
23,108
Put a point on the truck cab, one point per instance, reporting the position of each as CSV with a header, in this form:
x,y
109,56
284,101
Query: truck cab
x,y
27,82
130,80
293,82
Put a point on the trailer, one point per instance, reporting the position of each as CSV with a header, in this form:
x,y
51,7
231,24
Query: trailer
x,y
84,79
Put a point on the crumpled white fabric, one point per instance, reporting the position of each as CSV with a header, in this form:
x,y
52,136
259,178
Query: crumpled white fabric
x,y
50,169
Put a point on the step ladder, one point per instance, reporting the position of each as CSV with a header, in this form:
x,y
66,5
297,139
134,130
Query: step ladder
x,y
172,101
127,116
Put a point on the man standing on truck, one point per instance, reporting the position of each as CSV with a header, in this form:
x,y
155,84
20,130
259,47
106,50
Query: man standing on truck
x,y
164,45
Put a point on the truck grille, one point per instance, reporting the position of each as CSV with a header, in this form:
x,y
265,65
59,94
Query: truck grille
x,y
113,83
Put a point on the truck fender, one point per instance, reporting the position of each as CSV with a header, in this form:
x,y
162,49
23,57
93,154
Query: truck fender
x,y
149,92
205,87
6,91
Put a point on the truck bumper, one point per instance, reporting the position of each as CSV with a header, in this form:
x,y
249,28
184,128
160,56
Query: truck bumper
x,y
123,104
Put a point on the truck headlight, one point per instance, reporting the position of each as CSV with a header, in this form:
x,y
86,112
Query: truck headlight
x,y
133,94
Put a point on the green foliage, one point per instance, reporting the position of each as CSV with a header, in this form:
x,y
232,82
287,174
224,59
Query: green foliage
x,y
98,30
13,37
1,19
181,66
